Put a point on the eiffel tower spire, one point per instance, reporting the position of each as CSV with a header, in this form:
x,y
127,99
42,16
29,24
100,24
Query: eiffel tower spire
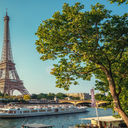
x,y
9,79
6,52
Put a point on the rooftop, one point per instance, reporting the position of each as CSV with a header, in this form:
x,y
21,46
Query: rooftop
x,y
104,118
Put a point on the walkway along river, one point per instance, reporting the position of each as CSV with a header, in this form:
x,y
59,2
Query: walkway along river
x,y
59,121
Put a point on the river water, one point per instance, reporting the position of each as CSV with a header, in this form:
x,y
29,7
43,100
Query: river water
x,y
59,121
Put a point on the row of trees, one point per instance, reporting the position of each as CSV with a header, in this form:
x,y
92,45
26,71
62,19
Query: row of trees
x,y
88,43
6,99
51,96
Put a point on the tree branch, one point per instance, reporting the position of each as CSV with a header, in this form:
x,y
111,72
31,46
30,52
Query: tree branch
x,y
121,53
119,87
89,71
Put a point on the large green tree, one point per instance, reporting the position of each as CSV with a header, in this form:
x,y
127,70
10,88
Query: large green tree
x,y
87,43
119,1
61,95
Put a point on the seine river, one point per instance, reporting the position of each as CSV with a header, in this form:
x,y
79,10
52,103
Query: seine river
x,y
59,121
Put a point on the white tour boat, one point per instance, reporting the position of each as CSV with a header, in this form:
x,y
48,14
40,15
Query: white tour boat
x,y
30,111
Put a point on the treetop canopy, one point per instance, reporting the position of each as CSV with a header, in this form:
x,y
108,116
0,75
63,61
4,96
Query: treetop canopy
x,y
83,42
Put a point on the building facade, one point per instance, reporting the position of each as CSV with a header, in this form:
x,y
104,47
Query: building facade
x,y
82,96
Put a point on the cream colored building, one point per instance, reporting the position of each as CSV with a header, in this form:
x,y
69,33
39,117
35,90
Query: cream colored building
x,y
83,96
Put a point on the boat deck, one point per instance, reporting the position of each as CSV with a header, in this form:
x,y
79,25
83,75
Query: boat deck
x,y
36,126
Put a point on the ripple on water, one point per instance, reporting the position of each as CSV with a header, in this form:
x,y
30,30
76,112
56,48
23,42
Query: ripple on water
x,y
58,121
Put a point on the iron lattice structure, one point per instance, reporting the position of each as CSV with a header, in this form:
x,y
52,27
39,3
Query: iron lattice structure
x,y
9,79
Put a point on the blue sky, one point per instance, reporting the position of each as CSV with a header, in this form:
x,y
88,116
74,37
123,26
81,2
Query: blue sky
x,y
25,17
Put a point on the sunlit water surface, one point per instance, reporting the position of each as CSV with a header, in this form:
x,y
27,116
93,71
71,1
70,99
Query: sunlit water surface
x,y
59,121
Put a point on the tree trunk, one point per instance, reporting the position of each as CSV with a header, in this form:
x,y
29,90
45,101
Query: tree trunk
x,y
115,97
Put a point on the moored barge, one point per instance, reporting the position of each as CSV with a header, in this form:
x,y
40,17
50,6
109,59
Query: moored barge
x,y
31,111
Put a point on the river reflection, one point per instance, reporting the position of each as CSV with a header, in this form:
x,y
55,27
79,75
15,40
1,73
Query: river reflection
x,y
59,121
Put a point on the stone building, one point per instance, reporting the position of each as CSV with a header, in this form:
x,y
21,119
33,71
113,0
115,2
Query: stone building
x,y
82,96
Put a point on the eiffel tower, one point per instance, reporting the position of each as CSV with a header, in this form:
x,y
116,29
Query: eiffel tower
x,y
9,79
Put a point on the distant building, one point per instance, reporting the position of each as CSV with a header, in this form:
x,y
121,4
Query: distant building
x,y
67,98
55,99
82,96
36,101
41,101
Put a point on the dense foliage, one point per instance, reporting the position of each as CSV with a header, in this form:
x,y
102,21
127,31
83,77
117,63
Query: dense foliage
x,y
119,1
87,43
51,96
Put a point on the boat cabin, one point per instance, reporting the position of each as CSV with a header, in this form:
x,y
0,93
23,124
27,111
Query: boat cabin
x,y
36,126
